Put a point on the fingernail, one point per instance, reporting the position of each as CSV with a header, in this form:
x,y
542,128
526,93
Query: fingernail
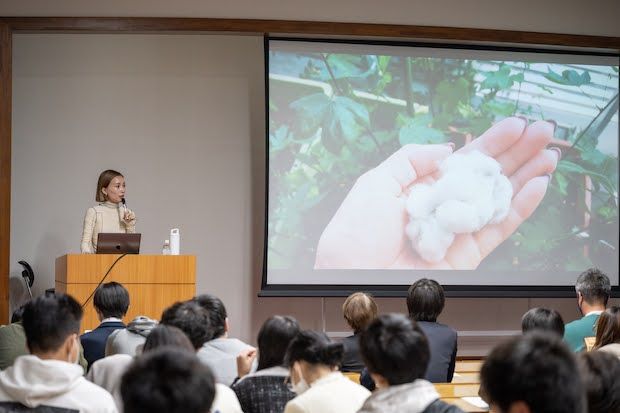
x,y
554,123
557,150
548,176
524,120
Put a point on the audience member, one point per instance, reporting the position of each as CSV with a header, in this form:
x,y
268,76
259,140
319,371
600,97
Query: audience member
x,y
13,342
425,301
359,309
593,290
168,380
49,376
164,335
265,391
17,315
599,374
220,352
111,302
543,319
313,362
533,373
397,354
128,340
608,331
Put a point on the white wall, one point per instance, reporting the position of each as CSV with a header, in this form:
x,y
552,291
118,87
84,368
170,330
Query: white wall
x,y
174,113
595,17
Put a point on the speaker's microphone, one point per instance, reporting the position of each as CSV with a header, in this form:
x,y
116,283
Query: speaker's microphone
x,y
124,204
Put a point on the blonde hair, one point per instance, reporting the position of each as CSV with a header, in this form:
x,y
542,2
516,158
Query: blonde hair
x,y
359,310
104,180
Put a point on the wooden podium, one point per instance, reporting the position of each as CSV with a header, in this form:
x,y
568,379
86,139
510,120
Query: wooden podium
x,y
154,282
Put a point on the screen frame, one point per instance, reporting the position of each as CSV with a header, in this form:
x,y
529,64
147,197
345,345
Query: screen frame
x,y
395,290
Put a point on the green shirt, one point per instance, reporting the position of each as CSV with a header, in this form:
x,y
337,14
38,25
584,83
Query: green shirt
x,y
576,331
13,345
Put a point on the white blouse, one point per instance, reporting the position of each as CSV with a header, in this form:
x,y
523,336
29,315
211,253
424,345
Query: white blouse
x,y
105,217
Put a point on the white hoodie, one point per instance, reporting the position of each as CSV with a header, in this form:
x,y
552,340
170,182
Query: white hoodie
x,y
33,382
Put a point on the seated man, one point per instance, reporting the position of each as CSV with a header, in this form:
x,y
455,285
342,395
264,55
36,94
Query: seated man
x,y
130,339
49,376
396,353
220,352
532,373
168,380
111,302
359,309
593,289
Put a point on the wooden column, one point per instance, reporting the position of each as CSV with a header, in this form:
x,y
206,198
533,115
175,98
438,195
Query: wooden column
x,y
5,167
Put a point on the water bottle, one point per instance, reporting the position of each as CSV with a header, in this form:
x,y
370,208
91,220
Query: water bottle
x,y
175,242
166,249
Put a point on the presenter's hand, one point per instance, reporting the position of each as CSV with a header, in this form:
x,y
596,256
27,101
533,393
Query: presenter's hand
x,y
129,218
368,230
244,362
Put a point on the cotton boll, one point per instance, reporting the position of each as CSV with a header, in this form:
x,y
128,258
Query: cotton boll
x,y
421,201
470,193
431,241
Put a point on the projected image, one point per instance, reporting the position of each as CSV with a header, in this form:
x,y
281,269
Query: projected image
x,y
417,159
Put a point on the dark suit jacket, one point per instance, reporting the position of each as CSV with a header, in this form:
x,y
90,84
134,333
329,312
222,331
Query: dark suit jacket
x,y
352,359
442,342
94,341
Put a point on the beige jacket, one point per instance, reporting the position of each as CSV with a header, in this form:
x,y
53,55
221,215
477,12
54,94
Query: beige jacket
x,y
105,217
333,393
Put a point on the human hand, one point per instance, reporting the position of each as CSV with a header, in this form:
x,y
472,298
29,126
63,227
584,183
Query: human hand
x,y
129,217
244,362
368,230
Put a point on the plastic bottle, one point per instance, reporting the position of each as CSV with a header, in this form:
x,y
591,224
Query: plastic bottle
x,y
166,249
175,242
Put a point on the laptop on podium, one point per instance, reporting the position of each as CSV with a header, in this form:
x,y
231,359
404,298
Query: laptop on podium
x,y
118,243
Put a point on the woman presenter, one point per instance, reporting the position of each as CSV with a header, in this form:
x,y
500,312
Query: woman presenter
x,y
111,214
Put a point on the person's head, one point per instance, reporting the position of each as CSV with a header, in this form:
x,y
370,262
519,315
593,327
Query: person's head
x,y
164,335
310,356
359,309
425,300
217,314
593,289
608,327
533,373
544,319
52,327
110,186
190,318
394,350
599,373
167,380
111,300
274,337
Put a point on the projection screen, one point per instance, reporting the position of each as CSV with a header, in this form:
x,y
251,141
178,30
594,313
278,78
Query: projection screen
x,y
485,169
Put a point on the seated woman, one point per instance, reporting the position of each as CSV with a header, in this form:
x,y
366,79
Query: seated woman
x,y
359,310
425,301
313,362
265,390
544,319
608,331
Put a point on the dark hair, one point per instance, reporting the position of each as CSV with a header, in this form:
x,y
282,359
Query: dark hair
x,y
49,320
274,337
395,347
594,286
537,369
18,314
217,313
111,299
164,335
608,327
314,347
104,180
599,373
167,380
425,300
540,318
359,309
191,318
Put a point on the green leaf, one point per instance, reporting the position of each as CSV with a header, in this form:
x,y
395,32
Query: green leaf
x,y
568,77
310,110
418,130
279,139
562,183
499,79
346,119
449,94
